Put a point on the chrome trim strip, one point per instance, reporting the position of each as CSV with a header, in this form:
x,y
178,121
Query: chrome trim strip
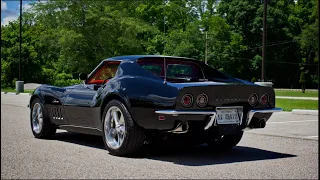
x,y
83,127
252,112
182,112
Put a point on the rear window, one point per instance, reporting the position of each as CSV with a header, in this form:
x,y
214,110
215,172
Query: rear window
x,y
177,70
213,74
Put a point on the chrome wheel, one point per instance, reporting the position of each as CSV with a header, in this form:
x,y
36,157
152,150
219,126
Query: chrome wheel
x,y
37,118
115,128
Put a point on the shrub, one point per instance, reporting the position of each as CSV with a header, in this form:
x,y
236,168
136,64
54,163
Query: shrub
x,y
64,79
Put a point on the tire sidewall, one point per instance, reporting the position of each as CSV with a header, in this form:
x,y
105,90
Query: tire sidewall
x,y
44,116
125,113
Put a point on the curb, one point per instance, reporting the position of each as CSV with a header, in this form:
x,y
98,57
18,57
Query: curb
x,y
294,89
298,98
304,112
13,93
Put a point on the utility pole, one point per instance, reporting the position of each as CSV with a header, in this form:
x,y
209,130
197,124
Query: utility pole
x,y
318,49
264,42
20,40
19,83
206,58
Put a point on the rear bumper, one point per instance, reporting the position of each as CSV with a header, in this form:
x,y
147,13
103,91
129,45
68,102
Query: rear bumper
x,y
251,114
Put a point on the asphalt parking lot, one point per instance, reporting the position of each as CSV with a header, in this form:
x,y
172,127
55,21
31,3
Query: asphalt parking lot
x,y
286,148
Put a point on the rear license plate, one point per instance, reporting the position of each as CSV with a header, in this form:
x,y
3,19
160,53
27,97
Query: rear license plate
x,y
229,115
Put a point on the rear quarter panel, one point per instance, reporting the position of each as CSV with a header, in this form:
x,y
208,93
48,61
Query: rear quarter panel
x,y
143,93
143,96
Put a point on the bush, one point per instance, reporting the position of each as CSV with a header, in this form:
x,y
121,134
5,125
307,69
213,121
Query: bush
x,y
14,82
302,78
48,76
64,79
253,79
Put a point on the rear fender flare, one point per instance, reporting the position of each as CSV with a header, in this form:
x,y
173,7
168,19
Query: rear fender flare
x,y
115,96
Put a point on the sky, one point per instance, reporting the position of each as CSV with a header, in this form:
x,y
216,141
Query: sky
x,y
10,10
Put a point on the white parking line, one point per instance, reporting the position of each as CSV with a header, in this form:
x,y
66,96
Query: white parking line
x,y
291,122
311,137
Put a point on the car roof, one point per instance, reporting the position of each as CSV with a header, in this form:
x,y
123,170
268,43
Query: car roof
x,y
137,57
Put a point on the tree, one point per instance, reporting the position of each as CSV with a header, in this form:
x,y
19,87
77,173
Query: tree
x,y
61,38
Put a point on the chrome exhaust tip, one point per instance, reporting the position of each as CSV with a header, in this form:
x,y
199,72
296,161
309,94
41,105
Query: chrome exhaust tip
x,y
261,123
185,127
181,128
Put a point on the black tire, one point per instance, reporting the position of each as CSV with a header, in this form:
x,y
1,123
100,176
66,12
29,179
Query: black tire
x,y
134,135
225,142
48,130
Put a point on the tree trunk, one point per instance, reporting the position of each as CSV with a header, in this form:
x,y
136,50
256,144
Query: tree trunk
x,y
303,87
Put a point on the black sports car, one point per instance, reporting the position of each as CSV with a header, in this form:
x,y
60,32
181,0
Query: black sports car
x,y
127,98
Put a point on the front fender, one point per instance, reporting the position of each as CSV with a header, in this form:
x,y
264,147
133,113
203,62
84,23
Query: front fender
x,y
36,94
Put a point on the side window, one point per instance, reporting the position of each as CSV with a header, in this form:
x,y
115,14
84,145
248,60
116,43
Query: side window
x,y
106,71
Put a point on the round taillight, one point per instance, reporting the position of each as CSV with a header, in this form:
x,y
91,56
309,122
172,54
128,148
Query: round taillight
x,y
264,99
202,100
187,100
253,99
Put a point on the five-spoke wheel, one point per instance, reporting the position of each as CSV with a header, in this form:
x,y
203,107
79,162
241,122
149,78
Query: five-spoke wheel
x,y
41,125
122,136
37,118
115,127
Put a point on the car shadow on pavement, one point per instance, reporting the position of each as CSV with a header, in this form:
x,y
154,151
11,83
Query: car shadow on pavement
x,y
200,155
80,139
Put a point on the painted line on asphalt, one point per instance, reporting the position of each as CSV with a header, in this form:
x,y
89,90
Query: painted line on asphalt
x,y
281,136
14,105
311,137
291,122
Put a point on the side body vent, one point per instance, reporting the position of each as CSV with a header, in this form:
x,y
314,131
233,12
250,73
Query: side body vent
x,y
56,113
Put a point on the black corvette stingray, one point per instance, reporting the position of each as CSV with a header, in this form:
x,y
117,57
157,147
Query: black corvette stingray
x,y
127,98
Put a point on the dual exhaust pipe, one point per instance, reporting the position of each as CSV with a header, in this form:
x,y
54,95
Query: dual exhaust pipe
x,y
184,126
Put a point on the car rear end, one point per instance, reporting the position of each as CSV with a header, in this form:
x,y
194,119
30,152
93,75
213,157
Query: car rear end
x,y
209,99
226,107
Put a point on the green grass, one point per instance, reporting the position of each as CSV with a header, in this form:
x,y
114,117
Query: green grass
x,y
297,93
13,90
289,104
